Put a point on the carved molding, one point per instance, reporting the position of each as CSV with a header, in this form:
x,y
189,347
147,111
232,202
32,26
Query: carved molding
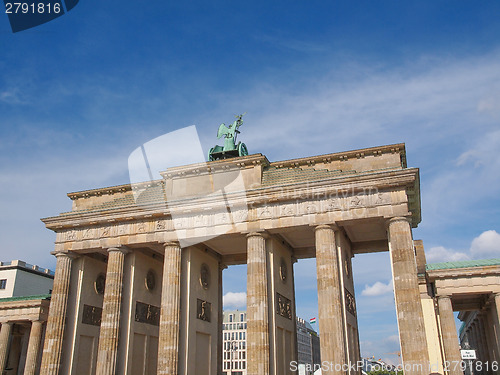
x,y
210,219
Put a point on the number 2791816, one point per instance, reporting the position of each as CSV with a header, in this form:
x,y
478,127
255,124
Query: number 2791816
x,y
40,8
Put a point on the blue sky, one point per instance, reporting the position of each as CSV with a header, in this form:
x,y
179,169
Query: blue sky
x,y
79,94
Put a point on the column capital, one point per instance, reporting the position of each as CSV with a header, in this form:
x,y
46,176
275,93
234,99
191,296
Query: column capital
x,y
331,226
264,235
68,254
171,243
121,249
444,296
397,219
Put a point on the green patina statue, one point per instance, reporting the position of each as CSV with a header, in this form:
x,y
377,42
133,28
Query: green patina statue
x,y
230,148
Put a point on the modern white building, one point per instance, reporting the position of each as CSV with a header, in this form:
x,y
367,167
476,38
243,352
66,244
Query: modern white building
x,y
234,331
234,334
25,292
19,279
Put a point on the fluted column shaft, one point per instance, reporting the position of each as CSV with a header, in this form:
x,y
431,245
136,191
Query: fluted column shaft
x,y
52,350
258,351
33,348
495,318
168,347
482,336
474,344
329,300
449,335
4,344
410,316
220,324
497,305
110,322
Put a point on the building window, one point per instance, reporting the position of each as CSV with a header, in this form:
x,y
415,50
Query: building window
x,y
242,317
231,318
3,283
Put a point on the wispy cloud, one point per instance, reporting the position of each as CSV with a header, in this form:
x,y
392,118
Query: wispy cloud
x,y
235,300
484,246
440,254
377,289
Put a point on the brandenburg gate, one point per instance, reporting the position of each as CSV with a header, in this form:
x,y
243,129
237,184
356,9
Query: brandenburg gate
x,y
138,283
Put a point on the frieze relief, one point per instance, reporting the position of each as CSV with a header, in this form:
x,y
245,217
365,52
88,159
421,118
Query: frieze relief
x,y
209,218
350,302
283,306
148,314
203,310
161,225
91,315
88,233
106,231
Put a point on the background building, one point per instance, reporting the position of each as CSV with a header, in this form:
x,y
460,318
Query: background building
x,y
19,279
234,343
234,333
24,304
307,344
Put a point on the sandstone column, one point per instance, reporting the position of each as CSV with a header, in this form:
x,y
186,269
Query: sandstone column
x,y
111,306
52,350
449,335
220,341
482,337
168,347
495,317
477,342
4,344
490,334
33,348
497,305
258,352
408,306
330,302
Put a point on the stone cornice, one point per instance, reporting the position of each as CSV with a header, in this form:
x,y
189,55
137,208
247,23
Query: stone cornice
x,y
249,161
344,156
215,166
102,191
463,272
382,180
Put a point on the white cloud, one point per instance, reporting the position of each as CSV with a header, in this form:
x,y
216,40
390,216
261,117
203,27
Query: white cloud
x,y
486,245
235,300
377,289
441,254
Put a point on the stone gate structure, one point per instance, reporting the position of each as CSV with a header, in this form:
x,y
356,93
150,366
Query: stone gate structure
x,y
471,288
138,283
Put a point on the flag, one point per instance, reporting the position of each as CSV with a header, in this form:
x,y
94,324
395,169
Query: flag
x,y
312,320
